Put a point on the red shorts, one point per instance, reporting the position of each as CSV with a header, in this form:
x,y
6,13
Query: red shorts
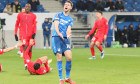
x,y
26,41
97,38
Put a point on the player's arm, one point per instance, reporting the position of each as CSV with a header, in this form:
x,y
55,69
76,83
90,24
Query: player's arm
x,y
107,28
12,48
16,27
68,32
43,26
56,24
34,34
92,31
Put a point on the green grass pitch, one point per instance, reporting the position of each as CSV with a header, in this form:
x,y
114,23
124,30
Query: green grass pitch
x,y
120,66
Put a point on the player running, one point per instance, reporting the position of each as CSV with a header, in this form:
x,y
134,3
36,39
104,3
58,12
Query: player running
x,y
60,41
35,68
9,49
27,22
101,24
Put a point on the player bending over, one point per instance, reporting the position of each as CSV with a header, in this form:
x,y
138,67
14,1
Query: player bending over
x,y
26,21
60,41
101,24
9,49
35,68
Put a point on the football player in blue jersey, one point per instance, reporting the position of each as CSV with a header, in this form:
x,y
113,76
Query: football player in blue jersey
x,y
60,41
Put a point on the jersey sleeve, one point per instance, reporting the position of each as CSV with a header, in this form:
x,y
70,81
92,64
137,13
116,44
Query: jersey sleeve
x,y
93,29
1,51
17,24
106,27
56,17
71,23
35,23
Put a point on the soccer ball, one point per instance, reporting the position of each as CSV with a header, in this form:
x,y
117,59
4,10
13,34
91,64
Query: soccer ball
x,y
0,67
125,45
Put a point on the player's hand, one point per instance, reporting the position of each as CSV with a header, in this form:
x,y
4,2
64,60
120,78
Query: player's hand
x,y
69,35
61,35
31,42
16,37
105,36
86,37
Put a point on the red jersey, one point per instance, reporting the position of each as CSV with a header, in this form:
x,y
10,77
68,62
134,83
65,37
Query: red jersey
x,y
1,51
102,27
26,24
40,71
30,64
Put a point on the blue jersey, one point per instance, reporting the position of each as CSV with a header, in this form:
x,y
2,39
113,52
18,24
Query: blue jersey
x,y
64,22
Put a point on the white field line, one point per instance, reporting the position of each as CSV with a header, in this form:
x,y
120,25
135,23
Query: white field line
x,y
122,55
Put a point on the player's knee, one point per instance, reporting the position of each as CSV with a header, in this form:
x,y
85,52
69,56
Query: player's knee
x,y
97,44
91,45
59,58
69,58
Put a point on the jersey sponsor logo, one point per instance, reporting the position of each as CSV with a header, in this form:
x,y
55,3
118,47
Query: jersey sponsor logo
x,y
63,22
68,45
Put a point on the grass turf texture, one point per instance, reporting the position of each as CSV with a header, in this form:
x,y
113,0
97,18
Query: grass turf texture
x,y
120,66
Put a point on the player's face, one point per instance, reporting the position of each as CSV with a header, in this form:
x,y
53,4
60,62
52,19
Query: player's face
x,y
98,15
67,7
27,8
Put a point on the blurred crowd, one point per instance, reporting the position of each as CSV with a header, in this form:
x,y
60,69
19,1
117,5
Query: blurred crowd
x,y
128,35
99,5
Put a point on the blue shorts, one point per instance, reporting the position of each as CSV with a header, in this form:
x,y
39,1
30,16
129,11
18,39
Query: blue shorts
x,y
59,45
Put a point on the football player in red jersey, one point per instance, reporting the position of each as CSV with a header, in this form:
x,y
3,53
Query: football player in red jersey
x,y
35,68
9,49
26,21
101,24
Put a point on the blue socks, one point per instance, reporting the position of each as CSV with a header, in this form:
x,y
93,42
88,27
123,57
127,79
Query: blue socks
x,y
68,69
60,69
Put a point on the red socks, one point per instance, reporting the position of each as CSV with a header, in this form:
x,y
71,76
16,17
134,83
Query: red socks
x,y
100,48
30,55
21,49
92,51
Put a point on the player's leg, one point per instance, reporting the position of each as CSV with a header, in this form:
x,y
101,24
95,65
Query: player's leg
x,y
24,55
30,53
68,56
45,41
21,50
93,40
59,65
48,37
98,44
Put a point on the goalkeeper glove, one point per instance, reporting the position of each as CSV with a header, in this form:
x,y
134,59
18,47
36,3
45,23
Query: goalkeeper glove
x,y
16,37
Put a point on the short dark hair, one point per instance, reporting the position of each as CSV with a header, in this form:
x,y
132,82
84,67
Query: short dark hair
x,y
36,66
68,1
100,12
